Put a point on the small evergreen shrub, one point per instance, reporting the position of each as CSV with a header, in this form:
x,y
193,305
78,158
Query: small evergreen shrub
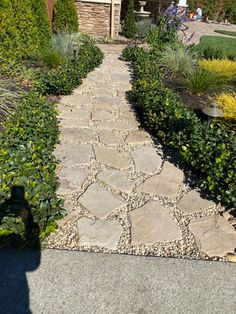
x,y
129,28
39,10
223,67
26,160
210,53
211,156
65,17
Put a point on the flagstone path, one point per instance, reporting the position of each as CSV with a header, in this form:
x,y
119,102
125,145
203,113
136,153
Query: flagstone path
x,y
122,194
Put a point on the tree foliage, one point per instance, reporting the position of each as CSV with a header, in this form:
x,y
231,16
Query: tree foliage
x,y
65,17
129,27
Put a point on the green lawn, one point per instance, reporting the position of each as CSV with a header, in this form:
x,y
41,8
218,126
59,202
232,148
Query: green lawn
x,y
226,32
227,45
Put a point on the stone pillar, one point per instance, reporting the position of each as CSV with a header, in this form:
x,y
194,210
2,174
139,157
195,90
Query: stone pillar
x,y
95,16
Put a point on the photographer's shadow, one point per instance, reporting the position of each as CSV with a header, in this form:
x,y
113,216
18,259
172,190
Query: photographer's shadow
x,y
22,256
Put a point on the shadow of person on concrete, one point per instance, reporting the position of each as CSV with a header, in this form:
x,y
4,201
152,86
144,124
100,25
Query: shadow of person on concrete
x,y
19,253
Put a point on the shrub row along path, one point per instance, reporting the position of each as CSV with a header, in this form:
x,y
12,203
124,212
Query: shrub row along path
x,y
121,192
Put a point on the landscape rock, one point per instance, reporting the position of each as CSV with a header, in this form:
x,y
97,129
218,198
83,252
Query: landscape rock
x,y
147,160
193,202
116,179
103,233
152,223
166,183
214,235
111,157
100,201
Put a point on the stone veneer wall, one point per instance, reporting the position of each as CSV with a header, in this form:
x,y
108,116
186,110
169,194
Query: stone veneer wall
x,y
95,17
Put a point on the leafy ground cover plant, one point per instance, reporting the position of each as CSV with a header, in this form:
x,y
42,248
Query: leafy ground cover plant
x,y
26,160
211,156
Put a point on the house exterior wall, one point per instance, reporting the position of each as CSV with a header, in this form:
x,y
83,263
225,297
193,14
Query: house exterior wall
x,y
95,16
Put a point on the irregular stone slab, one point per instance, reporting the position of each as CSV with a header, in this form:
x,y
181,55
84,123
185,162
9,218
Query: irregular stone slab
x,y
125,109
76,99
193,202
111,157
116,179
109,137
147,160
214,235
73,154
71,179
102,91
74,123
119,125
152,223
74,113
103,233
78,134
107,100
106,107
102,115
167,183
99,201
138,137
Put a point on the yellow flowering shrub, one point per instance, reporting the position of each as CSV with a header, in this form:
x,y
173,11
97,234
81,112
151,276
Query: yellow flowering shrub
x,y
224,67
227,102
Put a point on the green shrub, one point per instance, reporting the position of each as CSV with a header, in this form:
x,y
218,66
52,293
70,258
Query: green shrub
x,y
230,11
39,10
63,80
164,33
143,27
211,157
26,159
129,28
201,82
9,35
65,17
178,61
24,20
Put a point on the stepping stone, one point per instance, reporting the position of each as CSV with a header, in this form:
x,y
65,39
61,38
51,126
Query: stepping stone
x,y
102,115
99,201
138,137
112,158
147,160
71,179
103,92
74,123
76,99
167,183
74,113
193,202
103,233
214,235
78,134
117,180
109,138
152,223
106,107
125,109
119,125
107,100
73,154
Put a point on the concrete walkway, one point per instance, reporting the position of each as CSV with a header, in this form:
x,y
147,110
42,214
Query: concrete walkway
x,y
81,283
122,193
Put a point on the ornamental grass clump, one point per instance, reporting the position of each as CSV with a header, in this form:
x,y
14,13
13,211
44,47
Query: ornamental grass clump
x,y
223,67
178,61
